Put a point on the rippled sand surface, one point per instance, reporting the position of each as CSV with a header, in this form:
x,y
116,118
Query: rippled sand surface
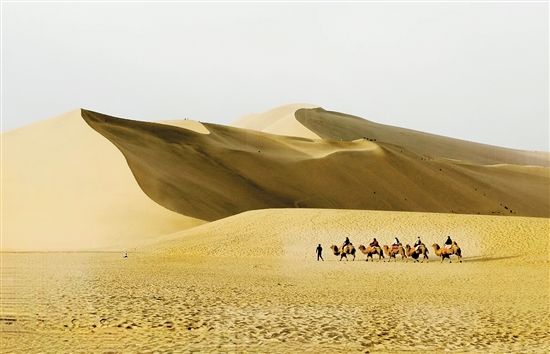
x,y
103,303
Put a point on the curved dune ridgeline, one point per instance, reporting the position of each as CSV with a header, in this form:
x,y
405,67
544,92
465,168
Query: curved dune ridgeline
x,y
232,170
334,125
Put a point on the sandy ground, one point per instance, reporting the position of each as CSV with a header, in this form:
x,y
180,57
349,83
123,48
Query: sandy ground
x,y
251,283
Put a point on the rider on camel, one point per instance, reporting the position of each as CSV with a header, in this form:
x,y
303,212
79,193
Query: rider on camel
x,y
374,243
346,242
418,243
396,243
449,242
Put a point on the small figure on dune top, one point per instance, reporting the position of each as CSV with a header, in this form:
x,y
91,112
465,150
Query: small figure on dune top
x,y
319,253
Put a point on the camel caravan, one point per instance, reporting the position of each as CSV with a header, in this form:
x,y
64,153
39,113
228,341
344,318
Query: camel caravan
x,y
416,252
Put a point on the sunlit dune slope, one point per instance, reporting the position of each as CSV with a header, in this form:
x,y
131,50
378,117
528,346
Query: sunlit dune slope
x,y
291,233
65,187
334,125
231,170
280,120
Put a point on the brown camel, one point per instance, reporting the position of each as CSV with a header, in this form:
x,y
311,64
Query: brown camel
x,y
338,251
369,251
415,253
448,252
391,252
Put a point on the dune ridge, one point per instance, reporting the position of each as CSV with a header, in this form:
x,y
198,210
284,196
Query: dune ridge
x,y
335,125
245,170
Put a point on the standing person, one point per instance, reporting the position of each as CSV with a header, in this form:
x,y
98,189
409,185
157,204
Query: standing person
x,y
319,253
125,254
449,242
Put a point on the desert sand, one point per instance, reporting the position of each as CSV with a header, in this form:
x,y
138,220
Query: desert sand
x,y
222,256
65,187
251,283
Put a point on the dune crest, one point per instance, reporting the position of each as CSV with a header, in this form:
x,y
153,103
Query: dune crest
x,y
335,125
187,124
233,170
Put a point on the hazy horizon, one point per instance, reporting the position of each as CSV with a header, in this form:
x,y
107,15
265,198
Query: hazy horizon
x,y
472,71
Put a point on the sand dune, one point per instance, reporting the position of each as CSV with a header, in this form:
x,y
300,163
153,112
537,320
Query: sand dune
x,y
65,187
248,280
280,120
232,170
334,125
295,233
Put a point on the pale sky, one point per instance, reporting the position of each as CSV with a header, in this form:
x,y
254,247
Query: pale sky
x,y
473,71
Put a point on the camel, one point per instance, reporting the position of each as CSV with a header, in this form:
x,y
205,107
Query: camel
x,y
338,251
448,252
391,252
369,251
415,253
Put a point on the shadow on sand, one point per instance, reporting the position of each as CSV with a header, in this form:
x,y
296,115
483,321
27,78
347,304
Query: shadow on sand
x,y
487,259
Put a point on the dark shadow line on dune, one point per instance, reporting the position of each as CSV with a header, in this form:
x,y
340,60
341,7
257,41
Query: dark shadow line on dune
x,y
487,259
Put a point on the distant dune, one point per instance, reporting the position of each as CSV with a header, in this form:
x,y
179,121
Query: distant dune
x,y
334,125
281,121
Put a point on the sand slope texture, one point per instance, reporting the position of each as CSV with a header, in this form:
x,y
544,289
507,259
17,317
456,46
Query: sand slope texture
x,y
232,170
65,187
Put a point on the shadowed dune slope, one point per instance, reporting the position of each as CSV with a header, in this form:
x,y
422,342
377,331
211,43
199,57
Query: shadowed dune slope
x,y
65,187
231,170
334,125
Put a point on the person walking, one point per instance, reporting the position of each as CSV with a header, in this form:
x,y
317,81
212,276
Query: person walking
x,y
319,253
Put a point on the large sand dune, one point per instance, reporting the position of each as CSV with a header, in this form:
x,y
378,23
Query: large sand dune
x,y
232,170
65,187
